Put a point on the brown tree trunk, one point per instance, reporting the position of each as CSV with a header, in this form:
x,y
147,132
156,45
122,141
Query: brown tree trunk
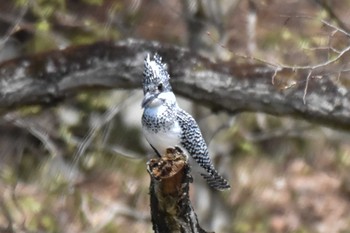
x,y
171,208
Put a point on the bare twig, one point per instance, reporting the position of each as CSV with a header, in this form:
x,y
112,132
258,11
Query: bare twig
x,y
14,26
106,118
327,7
306,86
35,130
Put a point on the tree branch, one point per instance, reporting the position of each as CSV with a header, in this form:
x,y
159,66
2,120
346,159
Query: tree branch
x,y
234,87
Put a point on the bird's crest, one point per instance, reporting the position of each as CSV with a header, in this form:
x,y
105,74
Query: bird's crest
x,y
155,72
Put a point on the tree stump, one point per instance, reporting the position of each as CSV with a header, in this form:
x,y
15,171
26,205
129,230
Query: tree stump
x,y
171,208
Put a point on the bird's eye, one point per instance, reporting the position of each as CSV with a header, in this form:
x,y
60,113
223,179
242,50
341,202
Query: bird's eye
x,y
160,87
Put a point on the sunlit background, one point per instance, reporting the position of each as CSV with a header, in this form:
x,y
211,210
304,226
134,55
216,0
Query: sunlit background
x,y
80,166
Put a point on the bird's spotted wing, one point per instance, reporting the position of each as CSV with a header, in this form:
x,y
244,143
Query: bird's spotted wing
x,y
193,141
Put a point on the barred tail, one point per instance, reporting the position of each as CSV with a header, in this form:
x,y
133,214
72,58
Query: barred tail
x,y
216,181
192,141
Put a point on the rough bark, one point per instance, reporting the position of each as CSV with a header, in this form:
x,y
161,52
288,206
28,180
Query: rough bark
x,y
234,87
171,208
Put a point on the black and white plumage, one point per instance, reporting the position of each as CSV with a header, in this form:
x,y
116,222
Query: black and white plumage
x,y
165,124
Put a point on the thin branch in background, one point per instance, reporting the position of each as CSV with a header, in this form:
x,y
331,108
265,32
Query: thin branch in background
x,y
306,86
106,133
294,68
279,66
328,62
126,152
274,76
108,24
324,48
335,28
35,130
106,118
325,22
308,67
324,4
116,149
330,47
14,26
225,125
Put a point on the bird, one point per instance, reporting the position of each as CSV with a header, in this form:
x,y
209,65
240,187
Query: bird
x,y
165,124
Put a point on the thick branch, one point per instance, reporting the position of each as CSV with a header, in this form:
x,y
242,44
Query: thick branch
x,y
50,77
171,207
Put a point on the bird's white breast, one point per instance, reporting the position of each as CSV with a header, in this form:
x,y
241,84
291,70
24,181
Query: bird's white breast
x,y
165,138
160,126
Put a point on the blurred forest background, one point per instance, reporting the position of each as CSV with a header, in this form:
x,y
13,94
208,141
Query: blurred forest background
x,y
80,165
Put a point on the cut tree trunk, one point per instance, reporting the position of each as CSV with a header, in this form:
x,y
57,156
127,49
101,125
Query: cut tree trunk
x,y
171,208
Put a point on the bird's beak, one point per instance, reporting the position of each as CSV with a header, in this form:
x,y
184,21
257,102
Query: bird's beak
x,y
147,99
